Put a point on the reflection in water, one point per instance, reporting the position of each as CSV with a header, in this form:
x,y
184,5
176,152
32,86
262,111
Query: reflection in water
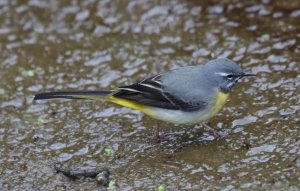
x,y
65,45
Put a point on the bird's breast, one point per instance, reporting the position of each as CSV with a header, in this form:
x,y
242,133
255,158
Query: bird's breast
x,y
219,103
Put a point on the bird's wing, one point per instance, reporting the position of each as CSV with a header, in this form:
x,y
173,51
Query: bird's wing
x,y
150,92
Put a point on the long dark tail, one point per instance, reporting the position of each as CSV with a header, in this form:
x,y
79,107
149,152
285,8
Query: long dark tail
x,y
91,95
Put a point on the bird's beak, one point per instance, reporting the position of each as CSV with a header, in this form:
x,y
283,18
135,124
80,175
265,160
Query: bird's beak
x,y
247,74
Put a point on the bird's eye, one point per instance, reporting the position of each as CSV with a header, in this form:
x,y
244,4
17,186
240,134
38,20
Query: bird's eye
x,y
229,76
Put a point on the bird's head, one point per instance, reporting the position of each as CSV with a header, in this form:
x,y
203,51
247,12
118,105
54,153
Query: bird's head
x,y
224,73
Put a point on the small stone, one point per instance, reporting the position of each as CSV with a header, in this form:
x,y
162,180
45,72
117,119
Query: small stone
x,y
103,178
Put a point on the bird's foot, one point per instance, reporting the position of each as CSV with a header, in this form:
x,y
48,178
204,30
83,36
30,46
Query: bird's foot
x,y
158,136
212,131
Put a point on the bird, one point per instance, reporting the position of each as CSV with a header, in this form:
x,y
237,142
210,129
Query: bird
x,y
185,95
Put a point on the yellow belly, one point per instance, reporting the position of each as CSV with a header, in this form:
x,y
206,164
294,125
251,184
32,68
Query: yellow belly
x,y
220,101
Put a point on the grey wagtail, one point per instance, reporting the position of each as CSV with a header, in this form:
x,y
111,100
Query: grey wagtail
x,y
185,95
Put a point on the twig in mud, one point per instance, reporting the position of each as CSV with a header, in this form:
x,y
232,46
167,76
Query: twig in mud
x,y
100,173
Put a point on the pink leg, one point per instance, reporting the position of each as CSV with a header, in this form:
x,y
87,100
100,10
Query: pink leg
x,y
212,132
157,136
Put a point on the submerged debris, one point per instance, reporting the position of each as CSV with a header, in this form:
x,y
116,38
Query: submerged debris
x,y
108,151
161,188
112,185
103,178
246,145
100,173
40,121
28,73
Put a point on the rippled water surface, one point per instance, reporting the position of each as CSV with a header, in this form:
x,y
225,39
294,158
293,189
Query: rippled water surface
x,y
88,45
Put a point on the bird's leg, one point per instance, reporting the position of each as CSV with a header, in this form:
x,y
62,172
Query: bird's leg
x,y
157,136
212,132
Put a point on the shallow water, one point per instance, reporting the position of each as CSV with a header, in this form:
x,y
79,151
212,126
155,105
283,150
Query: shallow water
x,y
68,45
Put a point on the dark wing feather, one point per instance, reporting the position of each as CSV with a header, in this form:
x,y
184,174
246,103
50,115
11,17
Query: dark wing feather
x,y
151,92
185,106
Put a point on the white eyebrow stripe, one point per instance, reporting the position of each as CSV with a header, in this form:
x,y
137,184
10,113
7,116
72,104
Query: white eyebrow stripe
x,y
226,74
222,73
